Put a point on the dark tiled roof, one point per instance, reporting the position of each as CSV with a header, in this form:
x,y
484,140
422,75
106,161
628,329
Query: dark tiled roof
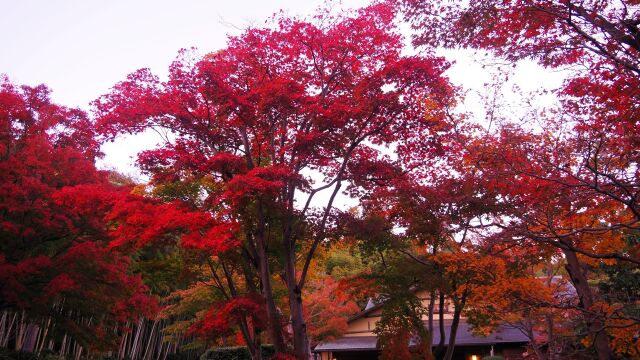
x,y
464,337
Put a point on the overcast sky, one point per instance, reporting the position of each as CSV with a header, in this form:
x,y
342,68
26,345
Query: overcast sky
x,y
81,48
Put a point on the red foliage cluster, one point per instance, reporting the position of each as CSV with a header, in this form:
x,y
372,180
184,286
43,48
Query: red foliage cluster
x,y
142,221
251,121
554,32
222,318
57,218
262,181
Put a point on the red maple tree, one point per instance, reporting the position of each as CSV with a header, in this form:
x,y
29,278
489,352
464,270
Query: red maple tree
x,y
574,183
279,104
55,262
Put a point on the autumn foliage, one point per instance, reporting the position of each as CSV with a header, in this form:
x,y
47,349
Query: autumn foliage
x,y
56,224
252,121
238,239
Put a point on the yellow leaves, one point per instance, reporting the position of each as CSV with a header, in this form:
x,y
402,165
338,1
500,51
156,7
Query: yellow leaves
x,y
174,332
484,330
140,189
195,298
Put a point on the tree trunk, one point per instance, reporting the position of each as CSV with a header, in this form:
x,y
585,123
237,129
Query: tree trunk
x,y
45,332
594,322
300,340
551,344
150,338
458,306
251,339
432,302
4,342
440,348
275,323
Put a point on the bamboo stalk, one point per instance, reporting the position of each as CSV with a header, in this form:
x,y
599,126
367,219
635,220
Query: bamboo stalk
x,y
150,340
20,332
135,345
3,324
62,346
45,331
5,340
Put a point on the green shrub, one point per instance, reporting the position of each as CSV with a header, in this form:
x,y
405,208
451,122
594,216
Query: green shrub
x,y
181,356
235,353
51,357
6,354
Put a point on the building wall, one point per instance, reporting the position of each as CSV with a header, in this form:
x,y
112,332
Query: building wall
x,y
365,325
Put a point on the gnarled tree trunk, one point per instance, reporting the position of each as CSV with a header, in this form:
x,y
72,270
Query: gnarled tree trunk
x,y
595,323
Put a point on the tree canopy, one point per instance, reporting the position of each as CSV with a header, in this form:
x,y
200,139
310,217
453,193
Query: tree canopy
x,y
238,237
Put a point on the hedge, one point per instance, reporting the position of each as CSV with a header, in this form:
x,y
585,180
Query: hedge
x,y
235,353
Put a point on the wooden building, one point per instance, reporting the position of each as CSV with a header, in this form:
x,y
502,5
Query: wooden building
x,y
359,342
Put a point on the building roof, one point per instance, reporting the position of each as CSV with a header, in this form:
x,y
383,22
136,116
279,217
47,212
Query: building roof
x,y
353,343
464,337
371,307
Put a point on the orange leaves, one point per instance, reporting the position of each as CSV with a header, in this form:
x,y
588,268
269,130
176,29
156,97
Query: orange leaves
x,y
470,267
622,331
624,339
508,293
487,279
327,308
497,292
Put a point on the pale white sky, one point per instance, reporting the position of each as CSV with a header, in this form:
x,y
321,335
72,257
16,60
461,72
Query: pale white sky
x,y
80,48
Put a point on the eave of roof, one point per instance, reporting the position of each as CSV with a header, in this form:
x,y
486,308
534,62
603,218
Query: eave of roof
x,y
355,343
464,337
